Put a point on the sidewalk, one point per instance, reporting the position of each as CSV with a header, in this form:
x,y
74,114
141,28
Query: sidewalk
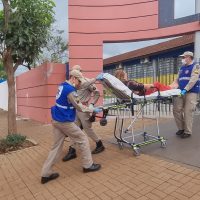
x,y
123,176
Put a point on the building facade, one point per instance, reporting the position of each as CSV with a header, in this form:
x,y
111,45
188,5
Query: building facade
x,y
159,62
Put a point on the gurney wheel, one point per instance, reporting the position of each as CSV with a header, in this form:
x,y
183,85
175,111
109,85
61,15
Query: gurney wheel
x,y
136,151
120,144
103,122
163,144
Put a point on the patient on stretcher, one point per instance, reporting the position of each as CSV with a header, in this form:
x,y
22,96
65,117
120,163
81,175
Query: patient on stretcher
x,y
144,89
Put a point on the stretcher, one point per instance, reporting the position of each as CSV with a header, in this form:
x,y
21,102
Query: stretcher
x,y
127,116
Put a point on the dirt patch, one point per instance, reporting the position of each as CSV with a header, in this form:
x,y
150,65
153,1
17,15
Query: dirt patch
x,y
25,144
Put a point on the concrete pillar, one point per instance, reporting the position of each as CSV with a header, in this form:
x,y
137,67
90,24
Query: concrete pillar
x,y
197,41
197,36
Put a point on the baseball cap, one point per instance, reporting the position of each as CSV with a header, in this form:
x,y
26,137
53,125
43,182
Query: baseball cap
x,y
187,53
77,67
76,74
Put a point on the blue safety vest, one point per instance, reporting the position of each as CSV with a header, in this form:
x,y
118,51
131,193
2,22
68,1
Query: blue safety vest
x,y
184,78
64,111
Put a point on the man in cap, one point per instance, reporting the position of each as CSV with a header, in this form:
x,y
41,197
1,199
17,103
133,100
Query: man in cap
x,y
63,117
184,105
88,95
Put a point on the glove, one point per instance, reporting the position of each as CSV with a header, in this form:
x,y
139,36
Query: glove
x,y
183,92
100,77
97,110
91,106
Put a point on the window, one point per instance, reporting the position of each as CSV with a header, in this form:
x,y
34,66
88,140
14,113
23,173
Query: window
x,y
183,8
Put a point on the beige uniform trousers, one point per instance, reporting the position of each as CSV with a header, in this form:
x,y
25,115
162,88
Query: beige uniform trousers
x,y
60,131
83,118
183,110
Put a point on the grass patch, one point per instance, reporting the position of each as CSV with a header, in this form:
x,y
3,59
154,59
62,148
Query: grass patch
x,y
12,142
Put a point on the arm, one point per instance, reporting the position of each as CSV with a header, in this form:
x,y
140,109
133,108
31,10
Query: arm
x,y
96,94
88,82
78,106
194,78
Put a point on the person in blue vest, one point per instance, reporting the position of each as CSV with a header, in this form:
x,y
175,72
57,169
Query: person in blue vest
x,y
184,105
88,95
63,117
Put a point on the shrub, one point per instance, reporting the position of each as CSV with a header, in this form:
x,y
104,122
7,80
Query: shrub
x,y
11,142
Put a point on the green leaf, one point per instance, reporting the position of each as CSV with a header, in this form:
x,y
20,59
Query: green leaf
x,y
28,28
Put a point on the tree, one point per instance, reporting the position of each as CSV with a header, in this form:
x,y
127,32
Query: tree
x,y
56,48
24,28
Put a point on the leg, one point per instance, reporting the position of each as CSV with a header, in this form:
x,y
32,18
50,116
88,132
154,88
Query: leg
x,y
87,127
148,86
55,152
178,104
71,154
78,137
189,108
161,86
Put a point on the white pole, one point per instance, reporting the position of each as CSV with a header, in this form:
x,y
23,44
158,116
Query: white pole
x,y
197,35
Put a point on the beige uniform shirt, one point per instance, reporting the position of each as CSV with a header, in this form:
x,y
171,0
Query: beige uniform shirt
x,y
194,77
73,98
88,92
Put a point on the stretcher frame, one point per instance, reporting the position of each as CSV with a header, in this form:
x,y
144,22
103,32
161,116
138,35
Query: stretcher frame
x,y
127,108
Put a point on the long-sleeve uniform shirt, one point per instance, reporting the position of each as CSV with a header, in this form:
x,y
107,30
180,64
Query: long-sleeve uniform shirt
x,y
88,92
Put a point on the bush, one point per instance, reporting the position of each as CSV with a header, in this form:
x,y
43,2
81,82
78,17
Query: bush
x,y
11,142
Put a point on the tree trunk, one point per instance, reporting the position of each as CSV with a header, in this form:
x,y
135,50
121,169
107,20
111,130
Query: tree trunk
x,y
12,124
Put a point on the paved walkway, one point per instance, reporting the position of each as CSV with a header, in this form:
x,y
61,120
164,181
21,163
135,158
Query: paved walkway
x,y
122,176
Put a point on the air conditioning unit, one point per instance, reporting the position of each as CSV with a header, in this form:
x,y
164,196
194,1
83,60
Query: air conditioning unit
x,y
144,60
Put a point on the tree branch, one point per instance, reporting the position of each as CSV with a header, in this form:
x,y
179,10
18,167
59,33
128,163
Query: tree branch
x,y
28,66
6,14
19,62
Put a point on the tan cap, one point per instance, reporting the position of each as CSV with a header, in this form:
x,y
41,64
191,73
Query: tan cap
x,y
187,53
76,74
77,67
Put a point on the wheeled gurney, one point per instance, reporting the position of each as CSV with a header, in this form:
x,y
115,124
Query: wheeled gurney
x,y
126,113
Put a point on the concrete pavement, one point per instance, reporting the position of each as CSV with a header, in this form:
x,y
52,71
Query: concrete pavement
x,y
122,176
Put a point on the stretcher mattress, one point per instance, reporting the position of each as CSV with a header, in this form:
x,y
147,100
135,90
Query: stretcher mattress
x,y
121,91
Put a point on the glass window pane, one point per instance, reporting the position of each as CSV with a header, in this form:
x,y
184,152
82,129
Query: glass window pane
x,y
184,8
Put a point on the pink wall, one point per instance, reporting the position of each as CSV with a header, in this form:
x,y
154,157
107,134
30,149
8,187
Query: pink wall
x,y
92,22
36,91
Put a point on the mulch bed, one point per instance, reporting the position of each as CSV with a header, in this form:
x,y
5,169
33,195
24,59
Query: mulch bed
x,y
24,145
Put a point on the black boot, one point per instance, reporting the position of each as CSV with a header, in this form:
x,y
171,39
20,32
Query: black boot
x,y
94,167
70,155
49,178
99,147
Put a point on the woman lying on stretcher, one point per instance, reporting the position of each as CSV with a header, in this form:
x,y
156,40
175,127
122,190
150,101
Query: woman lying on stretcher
x,y
144,89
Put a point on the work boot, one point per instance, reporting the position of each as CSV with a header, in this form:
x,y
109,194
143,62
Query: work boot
x,y
99,147
94,167
70,155
179,132
185,135
49,178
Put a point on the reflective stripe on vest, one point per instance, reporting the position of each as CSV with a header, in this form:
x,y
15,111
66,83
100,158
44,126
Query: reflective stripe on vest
x,y
185,78
64,107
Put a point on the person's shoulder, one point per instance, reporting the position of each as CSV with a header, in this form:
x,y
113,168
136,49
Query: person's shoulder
x,y
68,86
197,68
